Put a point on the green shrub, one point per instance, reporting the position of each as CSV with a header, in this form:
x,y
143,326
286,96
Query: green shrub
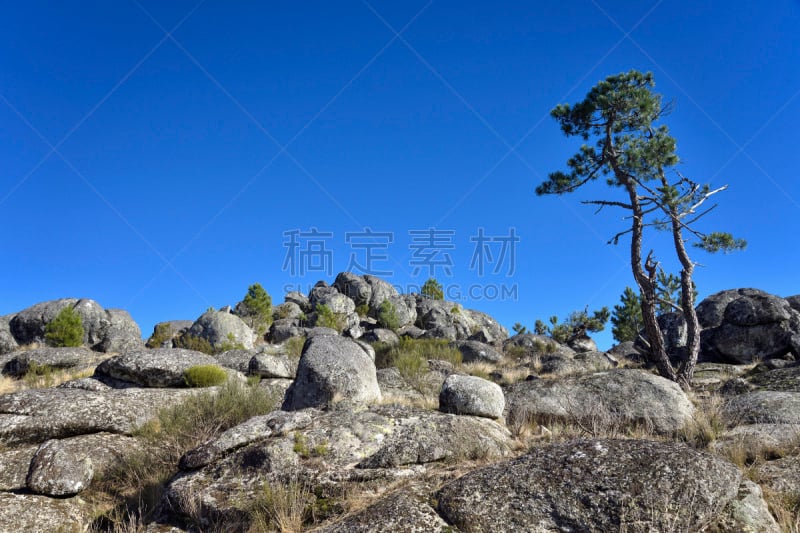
x,y
409,350
229,344
455,310
256,309
37,376
204,376
161,334
387,316
66,329
362,310
326,318
294,347
433,289
190,342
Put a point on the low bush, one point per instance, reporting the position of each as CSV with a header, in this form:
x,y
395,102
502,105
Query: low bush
x,y
66,329
204,376
326,318
161,334
387,316
190,342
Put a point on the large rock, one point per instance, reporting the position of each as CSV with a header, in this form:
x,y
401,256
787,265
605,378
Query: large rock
x,y
238,360
594,485
780,475
532,345
14,466
165,333
580,363
386,336
608,400
153,368
756,441
745,325
323,294
122,333
221,328
780,379
253,430
675,333
332,368
405,308
66,467
56,472
55,358
35,415
354,287
7,341
338,448
381,290
747,512
471,395
104,330
40,514
769,407
272,366
477,352
406,509
287,310
300,299
484,327
284,329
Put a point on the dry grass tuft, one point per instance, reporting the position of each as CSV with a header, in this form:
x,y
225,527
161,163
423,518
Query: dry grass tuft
x,y
707,422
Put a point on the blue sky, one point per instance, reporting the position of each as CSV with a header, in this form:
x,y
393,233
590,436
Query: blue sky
x,y
157,156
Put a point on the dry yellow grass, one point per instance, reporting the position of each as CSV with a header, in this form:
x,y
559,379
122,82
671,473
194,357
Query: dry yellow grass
x,y
8,385
42,379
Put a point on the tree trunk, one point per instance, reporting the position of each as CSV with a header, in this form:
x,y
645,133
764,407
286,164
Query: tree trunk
x,y
647,287
686,369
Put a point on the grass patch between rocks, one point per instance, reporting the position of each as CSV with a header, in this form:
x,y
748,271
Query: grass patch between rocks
x,y
139,478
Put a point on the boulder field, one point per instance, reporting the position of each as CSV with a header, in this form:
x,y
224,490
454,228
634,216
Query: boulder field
x,y
432,419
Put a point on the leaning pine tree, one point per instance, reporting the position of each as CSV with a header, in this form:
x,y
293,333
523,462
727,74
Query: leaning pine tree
x,y
638,156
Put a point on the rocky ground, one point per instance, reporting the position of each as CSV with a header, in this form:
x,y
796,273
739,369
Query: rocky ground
x,y
441,423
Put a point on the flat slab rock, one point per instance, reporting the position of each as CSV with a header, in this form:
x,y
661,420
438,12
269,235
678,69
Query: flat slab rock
x,y
626,396
594,485
769,407
161,367
36,415
780,379
14,465
383,443
32,513
18,363
781,475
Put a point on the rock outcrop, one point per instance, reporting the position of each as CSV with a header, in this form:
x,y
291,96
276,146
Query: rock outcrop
x,y
106,330
745,325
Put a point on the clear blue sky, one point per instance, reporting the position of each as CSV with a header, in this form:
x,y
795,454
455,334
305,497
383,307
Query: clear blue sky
x,y
157,156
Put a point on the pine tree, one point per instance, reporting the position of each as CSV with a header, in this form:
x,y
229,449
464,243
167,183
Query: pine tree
x,y
637,156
